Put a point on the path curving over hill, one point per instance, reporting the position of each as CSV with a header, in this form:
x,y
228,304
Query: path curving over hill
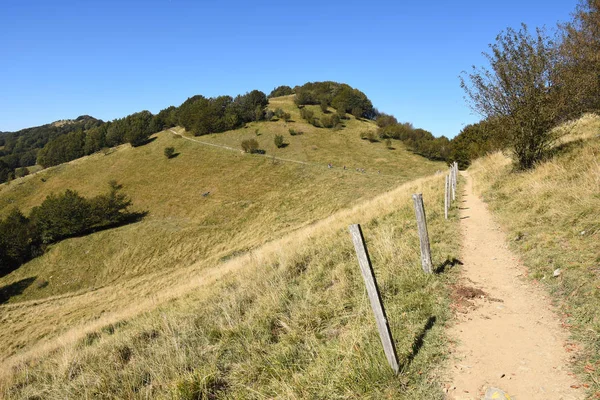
x,y
508,337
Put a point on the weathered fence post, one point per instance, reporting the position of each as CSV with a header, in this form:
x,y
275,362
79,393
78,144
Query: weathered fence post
x,y
374,297
452,184
455,165
423,235
446,188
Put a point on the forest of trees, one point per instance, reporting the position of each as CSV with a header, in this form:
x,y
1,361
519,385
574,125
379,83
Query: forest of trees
x,y
59,217
57,143
340,96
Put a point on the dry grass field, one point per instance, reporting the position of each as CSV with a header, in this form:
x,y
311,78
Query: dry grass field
x,y
552,214
251,291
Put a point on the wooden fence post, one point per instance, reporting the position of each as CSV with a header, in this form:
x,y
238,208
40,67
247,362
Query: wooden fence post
x,y
446,188
455,165
423,235
374,297
453,187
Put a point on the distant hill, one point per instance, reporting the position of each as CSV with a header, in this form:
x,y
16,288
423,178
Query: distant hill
x,y
20,148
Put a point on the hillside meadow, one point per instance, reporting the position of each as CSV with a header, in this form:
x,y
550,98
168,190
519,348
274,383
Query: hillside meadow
x,y
552,216
213,215
288,320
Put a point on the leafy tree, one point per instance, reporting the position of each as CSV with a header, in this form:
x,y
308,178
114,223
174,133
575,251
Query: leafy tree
x,y
138,128
95,139
579,69
61,216
15,241
521,90
281,91
62,149
110,209
5,170
384,120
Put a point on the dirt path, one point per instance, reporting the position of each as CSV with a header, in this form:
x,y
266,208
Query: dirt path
x,y
508,338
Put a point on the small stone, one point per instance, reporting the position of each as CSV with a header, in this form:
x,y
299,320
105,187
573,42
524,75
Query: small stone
x,y
502,376
495,394
556,272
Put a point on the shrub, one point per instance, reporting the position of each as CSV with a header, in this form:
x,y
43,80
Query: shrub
x,y
388,143
269,115
294,132
250,146
21,172
323,106
357,112
370,136
326,121
279,141
169,152
307,115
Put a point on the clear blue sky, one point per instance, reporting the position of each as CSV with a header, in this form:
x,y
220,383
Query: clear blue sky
x,y
62,59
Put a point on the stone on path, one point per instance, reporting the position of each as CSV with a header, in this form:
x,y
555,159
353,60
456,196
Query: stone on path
x,y
496,394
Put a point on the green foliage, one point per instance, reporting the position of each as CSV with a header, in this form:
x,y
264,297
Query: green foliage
x,y
520,90
21,147
384,120
370,136
95,139
15,241
294,132
269,115
476,140
62,149
579,66
279,141
111,208
281,91
59,217
339,95
307,115
169,151
323,106
250,146
201,116
330,121
21,172
5,171
138,128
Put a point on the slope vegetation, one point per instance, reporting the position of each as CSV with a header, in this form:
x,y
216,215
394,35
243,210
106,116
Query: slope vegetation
x,y
208,209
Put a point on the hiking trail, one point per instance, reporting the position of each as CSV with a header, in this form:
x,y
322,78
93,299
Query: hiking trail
x,y
505,333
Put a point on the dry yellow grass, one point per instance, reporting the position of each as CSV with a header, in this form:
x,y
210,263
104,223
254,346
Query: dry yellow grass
x,y
305,287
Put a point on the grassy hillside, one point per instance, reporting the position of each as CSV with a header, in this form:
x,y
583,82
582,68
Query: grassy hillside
x,y
291,320
552,214
187,239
